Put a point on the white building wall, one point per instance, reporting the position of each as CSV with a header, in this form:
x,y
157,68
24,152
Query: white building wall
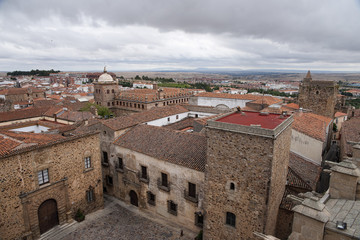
x,y
306,146
177,117
214,102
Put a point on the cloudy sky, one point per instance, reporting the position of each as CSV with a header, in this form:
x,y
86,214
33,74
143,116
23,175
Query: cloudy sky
x,y
172,34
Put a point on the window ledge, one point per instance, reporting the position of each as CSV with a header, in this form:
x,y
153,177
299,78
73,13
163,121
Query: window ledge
x,y
164,188
105,164
88,170
145,180
44,185
119,170
191,199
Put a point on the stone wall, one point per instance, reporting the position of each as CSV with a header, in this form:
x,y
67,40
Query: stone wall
x,y
319,96
244,160
127,179
21,194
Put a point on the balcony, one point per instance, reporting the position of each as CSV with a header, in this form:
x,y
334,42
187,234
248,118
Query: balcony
x,y
162,186
142,178
193,199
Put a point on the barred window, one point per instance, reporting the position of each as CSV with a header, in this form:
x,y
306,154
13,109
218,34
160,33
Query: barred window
x,y
151,198
90,197
172,207
43,176
230,219
87,162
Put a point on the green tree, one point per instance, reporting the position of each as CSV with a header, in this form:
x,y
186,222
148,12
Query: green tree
x,y
137,77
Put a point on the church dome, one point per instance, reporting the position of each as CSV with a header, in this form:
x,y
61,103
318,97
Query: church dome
x,y
105,77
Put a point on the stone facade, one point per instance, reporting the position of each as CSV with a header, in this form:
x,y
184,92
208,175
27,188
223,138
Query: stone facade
x,y
245,175
318,96
69,181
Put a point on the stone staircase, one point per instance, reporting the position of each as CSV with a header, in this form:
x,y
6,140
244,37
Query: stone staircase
x,y
60,231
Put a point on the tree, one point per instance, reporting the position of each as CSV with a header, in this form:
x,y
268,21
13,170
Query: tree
x,y
137,77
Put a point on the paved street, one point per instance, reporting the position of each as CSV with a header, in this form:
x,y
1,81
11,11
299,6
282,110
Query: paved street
x,y
120,221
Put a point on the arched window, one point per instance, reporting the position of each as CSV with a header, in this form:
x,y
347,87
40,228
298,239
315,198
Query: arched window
x,y
232,186
108,91
230,219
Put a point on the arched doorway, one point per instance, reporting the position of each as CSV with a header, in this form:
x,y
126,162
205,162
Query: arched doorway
x,y
48,215
133,198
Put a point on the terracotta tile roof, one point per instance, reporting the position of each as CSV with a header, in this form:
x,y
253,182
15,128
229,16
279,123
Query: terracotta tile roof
x,y
16,91
340,114
185,149
22,114
75,116
294,185
185,123
152,94
308,171
255,98
312,125
292,105
7,145
350,131
145,116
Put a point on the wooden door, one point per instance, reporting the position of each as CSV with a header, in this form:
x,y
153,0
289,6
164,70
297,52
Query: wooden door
x,y
133,198
48,215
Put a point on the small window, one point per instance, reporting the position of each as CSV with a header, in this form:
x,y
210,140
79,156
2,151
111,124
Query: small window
x,y
108,104
108,91
172,207
196,115
109,180
43,176
232,186
177,116
317,92
199,219
164,180
230,219
192,190
90,197
120,163
168,119
151,198
87,162
105,157
112,91
144,172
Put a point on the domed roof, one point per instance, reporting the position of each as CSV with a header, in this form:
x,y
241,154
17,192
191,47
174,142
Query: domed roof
x,y
105,77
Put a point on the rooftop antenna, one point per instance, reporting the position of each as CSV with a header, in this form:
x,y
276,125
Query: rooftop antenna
x,y
105,69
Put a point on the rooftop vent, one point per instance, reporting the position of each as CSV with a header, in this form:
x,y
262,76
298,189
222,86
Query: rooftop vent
x,y
341,225
264,113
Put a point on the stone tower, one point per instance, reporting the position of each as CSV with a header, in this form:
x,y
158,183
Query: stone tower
x,y
318,96
106,88
245,174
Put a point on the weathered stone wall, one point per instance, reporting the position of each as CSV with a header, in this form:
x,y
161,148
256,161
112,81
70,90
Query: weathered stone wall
x,y
319,96
306,228
103,97
279,169
127,179
65,162
244,160
284,224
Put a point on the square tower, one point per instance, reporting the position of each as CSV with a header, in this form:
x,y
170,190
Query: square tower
x,y
318,96
245,174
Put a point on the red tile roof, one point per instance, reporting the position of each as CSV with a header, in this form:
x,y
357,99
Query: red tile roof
x,y
269,121
185,149
146,116
312,125
293,106
22,114
340,114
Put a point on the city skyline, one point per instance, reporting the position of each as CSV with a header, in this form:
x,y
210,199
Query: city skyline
x,y
148,35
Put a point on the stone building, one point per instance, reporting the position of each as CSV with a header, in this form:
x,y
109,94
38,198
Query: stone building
x,y
21,97
335,214
318,96
349,137
108,94
162,171
45,179
245,173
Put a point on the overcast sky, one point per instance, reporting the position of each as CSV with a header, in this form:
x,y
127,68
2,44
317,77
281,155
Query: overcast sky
x,y
81,35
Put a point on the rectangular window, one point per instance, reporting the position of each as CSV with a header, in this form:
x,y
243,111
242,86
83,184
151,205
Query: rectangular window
x,y
151,198
144,172
172,207
43,176
164,179
90,195
120,163
192,190
199,219
105,157
230,219
87,162
109,180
